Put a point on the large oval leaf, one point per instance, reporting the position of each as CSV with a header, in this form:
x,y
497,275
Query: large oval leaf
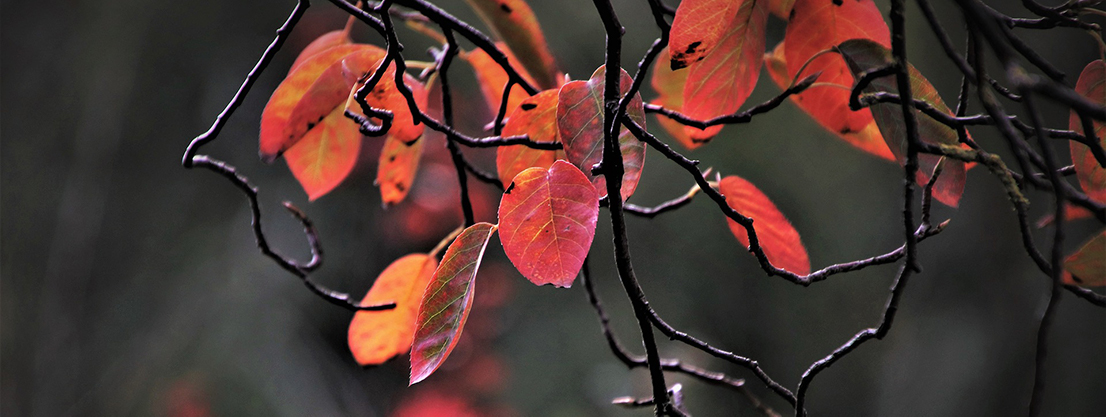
x,y
1087,266
777,237
395,172
323,42
580,125
492,78
864,55
1091,175
447,301
721,82
548,222
535,117
867,139
515,23
669,84
377,336
324,157
697,28
818,25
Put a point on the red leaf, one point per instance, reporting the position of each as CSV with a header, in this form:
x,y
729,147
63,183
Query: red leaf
x,y
325,41
535,117
670,85
580,125
697,28
1091,175
867,139
325,155
1087,266
1071,212
492,78
515,23
864,55
781,8
548,222
721,82
398,165
447,301
377,336
777,237
818,25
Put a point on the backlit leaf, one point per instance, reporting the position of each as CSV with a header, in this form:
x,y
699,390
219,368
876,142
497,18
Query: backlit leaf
x,y
670,85
536,117
580,125
377,336
548,222
515,23
867,139
1091,175
777,237
446,303
1087,266
399,162
325,41
697,28
721,82
492,78
325,155
864,55
818,25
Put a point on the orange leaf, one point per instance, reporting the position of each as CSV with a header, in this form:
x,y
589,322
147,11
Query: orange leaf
x,y
492,78
399,163
326,154
1087,266
535,117
867,139
377,336
580,125
515,23
781,8
697,28
721,82
1091,175
548,218
670,85
325,41
777,237
446,303
865,55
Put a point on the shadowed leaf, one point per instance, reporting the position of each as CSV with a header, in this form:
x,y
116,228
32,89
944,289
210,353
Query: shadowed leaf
x,y
1091,175
697,28
781,8
377,336
548,222
492,78
669,85
1087,266
535,117
325,155
515,23
777,237
447,301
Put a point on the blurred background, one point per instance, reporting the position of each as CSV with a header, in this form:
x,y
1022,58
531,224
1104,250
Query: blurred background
x,y
131,286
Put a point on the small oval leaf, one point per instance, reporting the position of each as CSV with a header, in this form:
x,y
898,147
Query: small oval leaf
x,y
535,117
377,336
1091,175
397,167
446,303
1087,266
492,78
326,155
777,237
548,218
515,23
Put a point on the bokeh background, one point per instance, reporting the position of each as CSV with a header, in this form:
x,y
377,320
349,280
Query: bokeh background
x,y
131,286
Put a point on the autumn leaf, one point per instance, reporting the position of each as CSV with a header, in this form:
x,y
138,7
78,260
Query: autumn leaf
x,y
325,41
1071,213
697,28
580,120
1087,266
395,172
669,84
377,336
535,117
548,222
492,78
326,155
721,82
777,237
515,23
1091,175
781,8
816,26
446,303
865,55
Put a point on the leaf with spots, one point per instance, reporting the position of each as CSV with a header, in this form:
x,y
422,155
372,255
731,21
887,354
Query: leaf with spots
x,y
396,170
377,336
492,78
814,27
867,139
1091,175
669,84
515,23
324,157
865,55
1087,266
535,117
447,300
697,28
548,221
778,239
721,82
580,126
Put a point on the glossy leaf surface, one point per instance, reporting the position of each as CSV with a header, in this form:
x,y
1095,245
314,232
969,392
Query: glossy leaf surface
x,y
447,301
535,117
548,220
864,55
324,157
492,78
377,336
1087,266
580,125
697,28
777,237
721,82
1091,175
669,85
515,23
396,170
